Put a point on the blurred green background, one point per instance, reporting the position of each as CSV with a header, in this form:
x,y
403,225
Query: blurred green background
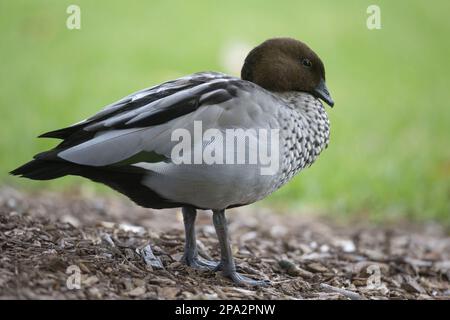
x,y
389,155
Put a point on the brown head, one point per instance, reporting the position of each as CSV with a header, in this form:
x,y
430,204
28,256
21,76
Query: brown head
x,y
285,64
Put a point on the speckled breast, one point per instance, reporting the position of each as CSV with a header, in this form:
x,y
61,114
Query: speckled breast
x,y
304,133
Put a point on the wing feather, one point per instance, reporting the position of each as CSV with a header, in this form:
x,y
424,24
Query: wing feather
x,y
126,128
135,101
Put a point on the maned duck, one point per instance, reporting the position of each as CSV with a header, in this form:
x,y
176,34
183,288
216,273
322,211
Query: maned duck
x,y
142,145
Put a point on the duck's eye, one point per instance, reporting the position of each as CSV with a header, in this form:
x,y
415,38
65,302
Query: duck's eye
x,y
307,63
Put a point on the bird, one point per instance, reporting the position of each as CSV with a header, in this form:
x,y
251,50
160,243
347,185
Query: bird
x,y
129,145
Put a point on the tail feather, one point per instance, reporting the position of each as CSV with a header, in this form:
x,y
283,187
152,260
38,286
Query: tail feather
x,y
42,170
126,180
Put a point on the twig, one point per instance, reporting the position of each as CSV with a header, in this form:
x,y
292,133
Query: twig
x,y
107,238
349,294
149,258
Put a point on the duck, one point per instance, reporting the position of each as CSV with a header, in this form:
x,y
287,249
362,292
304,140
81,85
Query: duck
x,y
134,145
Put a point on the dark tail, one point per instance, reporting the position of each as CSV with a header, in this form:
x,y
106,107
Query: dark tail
x,y
43,170
127,180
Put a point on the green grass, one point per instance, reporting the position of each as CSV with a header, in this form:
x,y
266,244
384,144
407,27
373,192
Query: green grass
x,y
389,155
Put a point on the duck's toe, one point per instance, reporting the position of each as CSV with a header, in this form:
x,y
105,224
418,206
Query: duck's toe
x,y
200,263
239,279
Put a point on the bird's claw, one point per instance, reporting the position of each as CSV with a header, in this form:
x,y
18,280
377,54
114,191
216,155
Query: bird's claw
x,y
219,267
199,263
207,265
239,279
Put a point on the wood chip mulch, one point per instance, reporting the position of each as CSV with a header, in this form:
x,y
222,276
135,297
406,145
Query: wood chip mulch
x,y
85,246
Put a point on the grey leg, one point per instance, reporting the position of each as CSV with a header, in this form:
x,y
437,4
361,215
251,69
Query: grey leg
x,y
226,261
190,256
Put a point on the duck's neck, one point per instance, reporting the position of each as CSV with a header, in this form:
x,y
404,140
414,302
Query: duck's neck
x,y
306,129
310,111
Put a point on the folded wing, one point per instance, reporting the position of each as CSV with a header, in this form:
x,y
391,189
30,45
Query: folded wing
x,y
130,127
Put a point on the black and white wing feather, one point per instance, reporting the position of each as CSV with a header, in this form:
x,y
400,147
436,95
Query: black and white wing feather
x,y
113,134
156,105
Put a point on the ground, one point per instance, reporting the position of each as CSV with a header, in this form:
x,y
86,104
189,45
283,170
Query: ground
x,y
123,251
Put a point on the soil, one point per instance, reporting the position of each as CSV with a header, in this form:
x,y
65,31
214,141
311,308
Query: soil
x,y
84,246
